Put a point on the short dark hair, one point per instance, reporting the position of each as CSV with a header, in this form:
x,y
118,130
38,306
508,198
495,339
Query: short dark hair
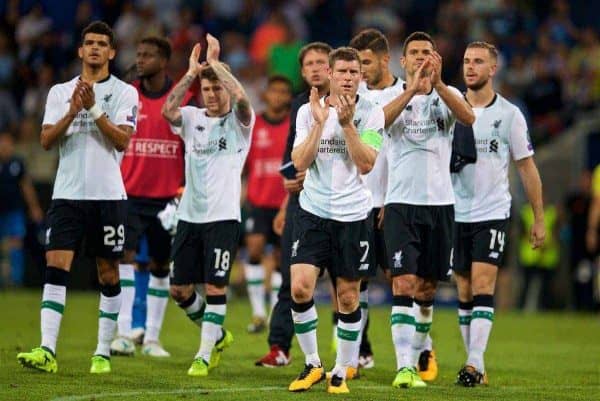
x,y
162,44
418,35
343,53
316,46
485,45
101,28
280,78
210,74
370,39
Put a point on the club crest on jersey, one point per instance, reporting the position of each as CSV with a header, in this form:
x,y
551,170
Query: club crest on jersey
x,y
436,102
496,127
356,122
107,97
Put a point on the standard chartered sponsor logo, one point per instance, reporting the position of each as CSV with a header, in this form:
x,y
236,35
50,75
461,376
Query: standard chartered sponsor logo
x,y
333,146
420,129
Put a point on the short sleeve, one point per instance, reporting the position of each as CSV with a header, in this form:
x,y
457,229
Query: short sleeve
x,y
54,110
518,138
246,130
372,133
450,117
128,108
186,118
303,123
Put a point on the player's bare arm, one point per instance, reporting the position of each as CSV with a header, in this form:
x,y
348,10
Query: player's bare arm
x,y
52,132
242,107
363,155
304,154
170,110
530,177
459,106
419,83
118,134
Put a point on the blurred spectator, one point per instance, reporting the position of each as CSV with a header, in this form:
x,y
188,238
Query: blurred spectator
x,y
519,75
41,164
538,265
376,14
581,264
559,24
186,33
17,194
7,61
267,34
283,59
9,117
34,99
30,28
126,33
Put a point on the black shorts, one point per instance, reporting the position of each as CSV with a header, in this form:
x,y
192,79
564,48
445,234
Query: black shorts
x,y
484,241
419,239
204,252
99,224
342,248
260,221
378,253
142,219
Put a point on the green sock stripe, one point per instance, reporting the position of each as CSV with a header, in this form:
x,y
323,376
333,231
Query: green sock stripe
x,y
464,320
480,314
196,315
275,289
55,306
423,327
401,318
364,305
301,328
155,292
214,318
255,282
127,283
111,316
348,335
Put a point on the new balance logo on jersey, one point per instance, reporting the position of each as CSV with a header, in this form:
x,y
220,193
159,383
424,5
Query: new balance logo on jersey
x,y
398,259
494,146
494,255
199,128
356,122
222,144
220,273
295,248
408,108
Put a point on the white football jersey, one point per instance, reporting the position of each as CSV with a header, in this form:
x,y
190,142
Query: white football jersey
x,y
419,150
333,187
481,189
376,180
89,164
215,152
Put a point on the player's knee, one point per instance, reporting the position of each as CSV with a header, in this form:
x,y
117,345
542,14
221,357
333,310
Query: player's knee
x,y
180,293
108,276
347,300
403,285
483,285
301,291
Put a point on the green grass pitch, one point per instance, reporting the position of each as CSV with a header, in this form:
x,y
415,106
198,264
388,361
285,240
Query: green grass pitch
x,y
530,357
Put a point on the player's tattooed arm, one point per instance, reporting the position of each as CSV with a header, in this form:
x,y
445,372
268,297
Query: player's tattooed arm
x,y
242,107
170,110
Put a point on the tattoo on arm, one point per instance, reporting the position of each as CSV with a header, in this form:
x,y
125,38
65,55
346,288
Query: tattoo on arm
x,y
243,109
175,98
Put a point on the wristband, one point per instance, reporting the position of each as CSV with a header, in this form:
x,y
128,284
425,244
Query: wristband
x,y
95,112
